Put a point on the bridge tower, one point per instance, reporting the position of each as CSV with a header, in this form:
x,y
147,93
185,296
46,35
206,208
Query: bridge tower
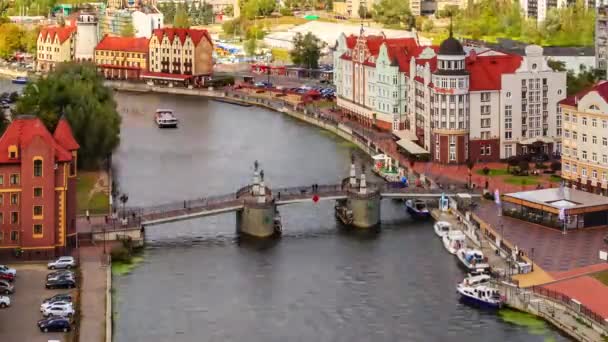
x,y
259,217
362,206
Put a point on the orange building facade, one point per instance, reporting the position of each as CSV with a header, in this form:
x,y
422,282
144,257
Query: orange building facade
x,y
122,57
37,189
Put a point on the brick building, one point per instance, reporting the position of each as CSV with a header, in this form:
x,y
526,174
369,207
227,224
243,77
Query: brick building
x,y
182,55
37,188
122,57
457,103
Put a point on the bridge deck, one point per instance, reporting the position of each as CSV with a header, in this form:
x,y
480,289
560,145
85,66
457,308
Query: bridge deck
x,y
215,205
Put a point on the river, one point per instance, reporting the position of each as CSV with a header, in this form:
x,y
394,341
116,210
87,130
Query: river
x,y
319,282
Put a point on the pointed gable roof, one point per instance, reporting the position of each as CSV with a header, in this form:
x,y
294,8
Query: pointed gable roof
x,y
21,132
63,135
601,88
61,32
486,71
195,34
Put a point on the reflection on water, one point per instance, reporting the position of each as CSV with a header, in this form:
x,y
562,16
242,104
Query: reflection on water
x,y
319,282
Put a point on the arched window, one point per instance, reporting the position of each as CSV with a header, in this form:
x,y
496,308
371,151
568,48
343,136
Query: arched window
x,y
38,168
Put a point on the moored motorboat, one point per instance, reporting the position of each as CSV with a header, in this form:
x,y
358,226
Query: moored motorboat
x,y
481,296
483,279
442,228
454,240
165,119
472,259
417,209
20,80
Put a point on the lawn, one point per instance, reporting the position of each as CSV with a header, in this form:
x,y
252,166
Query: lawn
x,y
555,179
88,196
602,276
522,180
493,172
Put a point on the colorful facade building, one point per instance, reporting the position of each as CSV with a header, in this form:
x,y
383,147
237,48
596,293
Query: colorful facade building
x,y
37,188
183,55
56,44
457,103
585,139
122,57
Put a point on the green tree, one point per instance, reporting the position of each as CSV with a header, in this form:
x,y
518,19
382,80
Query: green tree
x,y
168,10
128,30
77,91
205,13
306,50
251,46
391,12
10,39
181,19
364,12
255,8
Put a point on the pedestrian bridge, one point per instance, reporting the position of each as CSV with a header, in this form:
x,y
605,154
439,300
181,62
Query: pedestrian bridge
x,y
133,217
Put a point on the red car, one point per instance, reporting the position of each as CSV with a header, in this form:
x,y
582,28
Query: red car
x,y
7,276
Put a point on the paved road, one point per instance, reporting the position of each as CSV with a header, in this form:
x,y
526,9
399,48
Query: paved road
x,y
93,289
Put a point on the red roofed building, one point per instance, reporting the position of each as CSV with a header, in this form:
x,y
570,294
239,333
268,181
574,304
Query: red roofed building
x,y
37,188
455,103
56,44
122,57
180,55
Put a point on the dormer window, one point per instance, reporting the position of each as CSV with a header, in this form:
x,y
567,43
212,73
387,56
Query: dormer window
x,y
12,152
594,107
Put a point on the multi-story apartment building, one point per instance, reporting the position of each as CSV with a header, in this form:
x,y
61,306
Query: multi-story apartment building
x,y
38,188
459,104
601,38
122,57
56,44
429,7
538,9
353,8
585,139
180,54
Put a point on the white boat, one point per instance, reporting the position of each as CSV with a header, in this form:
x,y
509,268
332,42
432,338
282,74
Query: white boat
x,y
442,228
417,209
477,280
472,259
454,240
165,118
481,296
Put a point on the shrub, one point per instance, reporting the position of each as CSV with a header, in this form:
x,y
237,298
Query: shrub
x,y
488,196
556,166
523,165
486,171
286,12
121,254
541,166
513,161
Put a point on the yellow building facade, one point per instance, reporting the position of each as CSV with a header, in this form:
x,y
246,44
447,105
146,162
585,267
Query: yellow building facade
x,y
122,57
55,45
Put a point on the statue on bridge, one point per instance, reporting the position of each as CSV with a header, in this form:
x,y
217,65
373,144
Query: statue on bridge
x,y
262,175
255,166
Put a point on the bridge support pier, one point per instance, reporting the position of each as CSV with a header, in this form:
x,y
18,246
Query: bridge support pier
x,y
258,220
366,210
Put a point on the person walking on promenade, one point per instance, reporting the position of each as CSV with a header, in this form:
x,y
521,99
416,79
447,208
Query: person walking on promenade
x,y
88,216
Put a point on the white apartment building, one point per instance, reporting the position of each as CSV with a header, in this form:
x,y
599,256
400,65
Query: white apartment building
x,y
457,104
585,139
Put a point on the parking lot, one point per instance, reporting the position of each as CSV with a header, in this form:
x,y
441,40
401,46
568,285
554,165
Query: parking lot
x,y
18,322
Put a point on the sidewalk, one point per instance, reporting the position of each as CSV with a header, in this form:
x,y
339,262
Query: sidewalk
x,y
93,295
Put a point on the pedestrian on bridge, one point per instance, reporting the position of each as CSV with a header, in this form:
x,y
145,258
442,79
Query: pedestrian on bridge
x,y
279,195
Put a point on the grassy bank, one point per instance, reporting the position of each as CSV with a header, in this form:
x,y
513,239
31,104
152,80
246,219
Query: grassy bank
x,y
92,192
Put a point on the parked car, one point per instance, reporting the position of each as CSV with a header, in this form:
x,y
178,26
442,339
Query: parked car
x,y
59,297
60,276
63,262
62,283
4,301
7,276
59,273
6,287
63,310
45,306
6,269
54,324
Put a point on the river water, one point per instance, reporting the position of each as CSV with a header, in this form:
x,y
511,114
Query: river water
x,y
319,282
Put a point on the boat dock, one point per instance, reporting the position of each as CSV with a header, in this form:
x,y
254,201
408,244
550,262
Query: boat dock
x,y
564,317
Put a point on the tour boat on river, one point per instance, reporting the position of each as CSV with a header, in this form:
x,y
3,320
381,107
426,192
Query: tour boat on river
x,y
442,228
417,208
19,80
481,296
165,118
472,259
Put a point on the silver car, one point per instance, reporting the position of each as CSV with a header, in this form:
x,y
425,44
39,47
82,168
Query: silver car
x,y
6,287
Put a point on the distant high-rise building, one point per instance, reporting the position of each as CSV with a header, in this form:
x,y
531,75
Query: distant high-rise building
x,y
601,38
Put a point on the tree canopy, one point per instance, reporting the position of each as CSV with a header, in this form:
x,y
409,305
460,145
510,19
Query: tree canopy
x,y
567,26
15,38
77,91
306,50
128,30
257,8
576,82
392,12
181,19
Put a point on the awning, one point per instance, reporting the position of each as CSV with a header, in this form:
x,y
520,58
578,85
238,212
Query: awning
x,y
405,135
379,157
165,76
411,147
541,139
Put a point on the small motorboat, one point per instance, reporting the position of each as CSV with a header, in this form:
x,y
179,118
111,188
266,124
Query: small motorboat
x,y
442,228
477,280
472,259
418,209
453,241
344,214
20,80
481,296
165,119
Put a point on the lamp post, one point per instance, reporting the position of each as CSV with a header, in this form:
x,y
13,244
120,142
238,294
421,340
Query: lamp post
x,y
532,258
123,199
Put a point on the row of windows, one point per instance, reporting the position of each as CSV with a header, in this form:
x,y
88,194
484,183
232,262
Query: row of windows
x,y
574,169
14,235
585,155
121,54
594,139
13,179
584,120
